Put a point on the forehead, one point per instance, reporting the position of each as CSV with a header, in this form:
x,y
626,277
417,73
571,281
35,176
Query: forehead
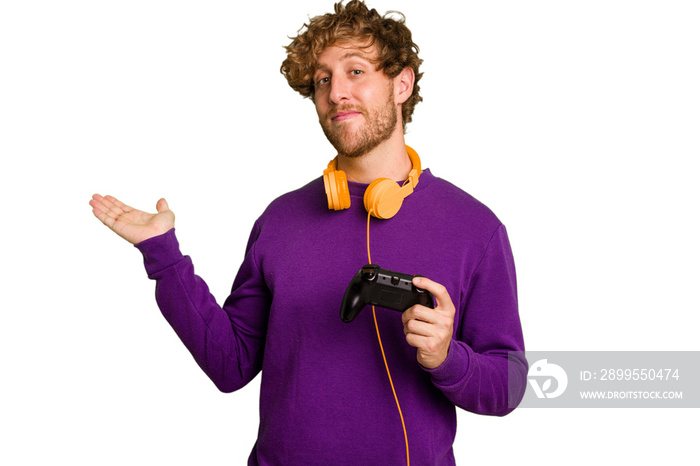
x,y
341,52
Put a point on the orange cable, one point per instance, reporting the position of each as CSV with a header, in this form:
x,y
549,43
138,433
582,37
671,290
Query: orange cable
x,y
369,257
386,365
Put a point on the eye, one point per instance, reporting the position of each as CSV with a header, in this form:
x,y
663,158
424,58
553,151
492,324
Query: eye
x,y
322,81
356,72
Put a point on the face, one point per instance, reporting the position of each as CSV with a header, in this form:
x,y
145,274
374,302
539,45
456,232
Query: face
x,y
355,102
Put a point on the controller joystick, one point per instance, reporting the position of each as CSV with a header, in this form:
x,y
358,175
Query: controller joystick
x,y
383,288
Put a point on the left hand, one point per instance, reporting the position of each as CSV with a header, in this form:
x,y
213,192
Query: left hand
x,y
430,330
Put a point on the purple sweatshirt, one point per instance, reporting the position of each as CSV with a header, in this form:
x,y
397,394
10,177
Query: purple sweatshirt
x,y
325,397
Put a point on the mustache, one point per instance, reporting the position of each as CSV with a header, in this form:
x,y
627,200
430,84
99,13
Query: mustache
x,y
342,108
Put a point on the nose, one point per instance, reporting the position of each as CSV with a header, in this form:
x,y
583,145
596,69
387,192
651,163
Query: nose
x,y
340,89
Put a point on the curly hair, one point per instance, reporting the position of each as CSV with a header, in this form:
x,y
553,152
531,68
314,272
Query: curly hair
x,y
354,22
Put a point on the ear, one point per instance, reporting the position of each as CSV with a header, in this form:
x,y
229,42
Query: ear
x,y
403,85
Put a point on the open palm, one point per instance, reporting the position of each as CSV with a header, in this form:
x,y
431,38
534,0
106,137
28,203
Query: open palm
x,y
131,224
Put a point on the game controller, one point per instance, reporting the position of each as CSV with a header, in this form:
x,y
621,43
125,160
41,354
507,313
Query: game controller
x,y
383,288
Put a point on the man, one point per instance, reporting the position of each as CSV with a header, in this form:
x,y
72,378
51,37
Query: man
x,y
325,395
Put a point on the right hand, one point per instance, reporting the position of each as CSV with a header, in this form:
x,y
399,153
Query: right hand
x,y
131,224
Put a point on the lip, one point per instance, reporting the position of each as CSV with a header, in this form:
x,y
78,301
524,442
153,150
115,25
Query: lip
x,y
342,116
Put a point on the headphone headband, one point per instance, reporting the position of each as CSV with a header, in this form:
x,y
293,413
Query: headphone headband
x,y
415,172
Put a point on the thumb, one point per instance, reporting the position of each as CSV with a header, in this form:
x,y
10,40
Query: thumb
x,y
162,206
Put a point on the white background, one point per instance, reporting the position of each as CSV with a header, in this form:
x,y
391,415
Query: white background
x,y
576,122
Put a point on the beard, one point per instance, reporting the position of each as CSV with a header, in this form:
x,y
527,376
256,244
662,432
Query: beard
x,y
379,125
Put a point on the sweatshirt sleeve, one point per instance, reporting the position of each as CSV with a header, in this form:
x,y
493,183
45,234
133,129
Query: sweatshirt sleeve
x,y
485,371
226,342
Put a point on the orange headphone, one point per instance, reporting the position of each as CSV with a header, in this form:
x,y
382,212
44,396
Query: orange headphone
x,y
383,197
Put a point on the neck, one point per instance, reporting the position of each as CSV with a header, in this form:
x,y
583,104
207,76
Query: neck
x,y
388,160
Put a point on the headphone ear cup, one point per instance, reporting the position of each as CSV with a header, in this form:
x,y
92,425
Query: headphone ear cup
x,y
341,182
381,198
336,184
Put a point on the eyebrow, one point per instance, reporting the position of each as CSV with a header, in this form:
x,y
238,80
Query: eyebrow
x,y
346,56
355,54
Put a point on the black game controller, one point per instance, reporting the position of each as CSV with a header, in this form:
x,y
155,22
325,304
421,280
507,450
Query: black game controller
x,y
384,288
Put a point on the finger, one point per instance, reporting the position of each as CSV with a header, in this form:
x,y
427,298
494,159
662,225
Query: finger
x,y
162,206
442,297
97,212
417,341
103,217
418,312
117,206
100,208
95,202
106,205
417,327
98,202
109,210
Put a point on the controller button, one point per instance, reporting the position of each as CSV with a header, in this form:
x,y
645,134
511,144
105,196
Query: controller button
x,y
368,272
